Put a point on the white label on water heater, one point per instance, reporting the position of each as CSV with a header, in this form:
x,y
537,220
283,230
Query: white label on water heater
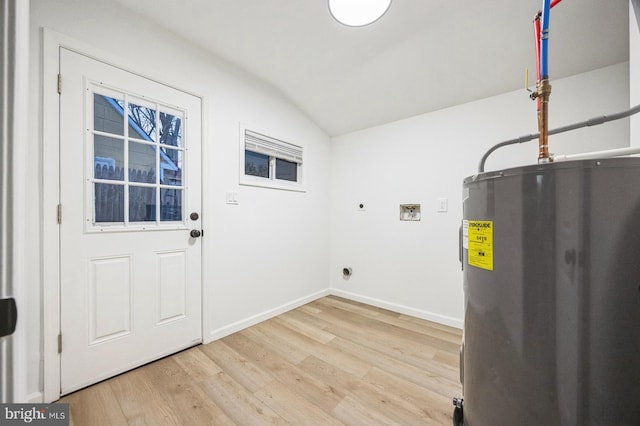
x,y
465,234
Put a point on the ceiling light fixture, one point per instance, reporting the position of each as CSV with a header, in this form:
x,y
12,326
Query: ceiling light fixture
x,y
358,13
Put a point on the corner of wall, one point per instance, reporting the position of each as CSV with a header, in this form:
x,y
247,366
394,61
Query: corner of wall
x,y
226,330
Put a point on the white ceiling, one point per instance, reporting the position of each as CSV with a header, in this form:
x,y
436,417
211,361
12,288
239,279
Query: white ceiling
x,y
423,55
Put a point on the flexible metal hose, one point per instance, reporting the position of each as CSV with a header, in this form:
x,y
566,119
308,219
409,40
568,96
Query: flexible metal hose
x,y
591,122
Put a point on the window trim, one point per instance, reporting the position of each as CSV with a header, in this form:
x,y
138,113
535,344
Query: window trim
x,y
290,152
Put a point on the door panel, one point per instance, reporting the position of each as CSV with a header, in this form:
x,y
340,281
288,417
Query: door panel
x,y
130,177
109,298
171,286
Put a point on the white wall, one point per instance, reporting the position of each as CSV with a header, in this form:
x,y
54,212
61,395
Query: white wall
x,y
285,233
297,252
634,67
413,266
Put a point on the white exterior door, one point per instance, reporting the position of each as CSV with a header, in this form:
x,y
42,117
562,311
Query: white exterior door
x,y
130,177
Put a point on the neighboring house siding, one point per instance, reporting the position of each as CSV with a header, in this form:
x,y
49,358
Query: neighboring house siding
x,y
141,157
106,118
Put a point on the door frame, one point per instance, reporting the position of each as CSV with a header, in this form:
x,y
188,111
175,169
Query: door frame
x,y
15,54
52,41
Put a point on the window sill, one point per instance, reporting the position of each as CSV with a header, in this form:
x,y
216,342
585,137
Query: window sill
x,y
107,228
267,183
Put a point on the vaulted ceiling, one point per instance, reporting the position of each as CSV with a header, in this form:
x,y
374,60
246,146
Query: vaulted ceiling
x,y
423,55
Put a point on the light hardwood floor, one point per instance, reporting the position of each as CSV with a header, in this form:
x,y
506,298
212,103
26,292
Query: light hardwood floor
x,y
332,361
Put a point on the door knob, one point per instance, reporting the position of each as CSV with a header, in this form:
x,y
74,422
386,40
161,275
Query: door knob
x,y
195,233
8,316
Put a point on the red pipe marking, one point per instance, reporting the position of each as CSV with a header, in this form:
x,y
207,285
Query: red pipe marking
x,y
536,31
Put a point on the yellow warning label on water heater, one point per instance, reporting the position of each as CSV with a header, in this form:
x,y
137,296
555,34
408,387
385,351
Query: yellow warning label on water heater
x,y
480,241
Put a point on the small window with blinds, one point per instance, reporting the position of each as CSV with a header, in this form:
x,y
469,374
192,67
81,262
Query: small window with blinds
x,y
269,161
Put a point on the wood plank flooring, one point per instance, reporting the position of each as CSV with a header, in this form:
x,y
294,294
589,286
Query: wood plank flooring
x,y
330,362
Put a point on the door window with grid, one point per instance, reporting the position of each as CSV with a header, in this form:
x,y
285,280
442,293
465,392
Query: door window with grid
x,y
136,161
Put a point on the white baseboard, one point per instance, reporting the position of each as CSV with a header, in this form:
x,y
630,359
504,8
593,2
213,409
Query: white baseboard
x,y
221,332
401,309
34,398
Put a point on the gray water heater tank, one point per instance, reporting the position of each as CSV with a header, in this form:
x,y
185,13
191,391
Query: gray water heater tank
x,y
551,260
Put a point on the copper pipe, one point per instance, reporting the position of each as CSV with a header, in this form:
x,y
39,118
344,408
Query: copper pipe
x,y
544,91
536,35
541,95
